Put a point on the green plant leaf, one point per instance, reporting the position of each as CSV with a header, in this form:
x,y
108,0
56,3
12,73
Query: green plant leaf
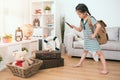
x,y
0,58
47,8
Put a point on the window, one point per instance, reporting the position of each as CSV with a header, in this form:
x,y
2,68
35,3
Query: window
x,y
13,14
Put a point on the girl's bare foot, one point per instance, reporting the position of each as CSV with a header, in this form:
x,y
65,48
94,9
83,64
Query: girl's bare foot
x,y
104,72
77,65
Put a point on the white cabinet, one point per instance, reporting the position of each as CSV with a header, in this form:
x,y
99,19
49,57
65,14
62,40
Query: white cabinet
x,y
7,50
43,17
10,50
33,46
14,48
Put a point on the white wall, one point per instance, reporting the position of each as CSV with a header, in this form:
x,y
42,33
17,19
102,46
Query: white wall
x,y
107,10
13,14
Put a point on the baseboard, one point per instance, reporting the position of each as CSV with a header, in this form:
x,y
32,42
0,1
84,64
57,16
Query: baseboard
x,y
99,59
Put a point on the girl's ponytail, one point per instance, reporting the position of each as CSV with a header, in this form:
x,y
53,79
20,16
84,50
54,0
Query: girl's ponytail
x,y
88,12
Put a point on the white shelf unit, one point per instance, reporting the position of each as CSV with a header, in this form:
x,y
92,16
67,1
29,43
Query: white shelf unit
x,y
46,21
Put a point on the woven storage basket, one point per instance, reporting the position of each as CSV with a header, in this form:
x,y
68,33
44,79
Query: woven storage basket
x,y
32,69
45,55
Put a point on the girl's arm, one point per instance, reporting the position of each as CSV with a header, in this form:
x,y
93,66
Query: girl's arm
x,y
77,28
98,26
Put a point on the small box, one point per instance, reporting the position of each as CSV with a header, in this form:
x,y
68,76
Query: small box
x,y
44,55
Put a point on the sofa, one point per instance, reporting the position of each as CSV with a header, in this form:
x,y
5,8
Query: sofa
x,y
111,49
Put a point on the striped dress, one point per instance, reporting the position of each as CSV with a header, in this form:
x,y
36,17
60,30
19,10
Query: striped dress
x,y
89,44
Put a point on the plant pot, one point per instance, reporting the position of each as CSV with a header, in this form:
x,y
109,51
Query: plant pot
x,y
47,11
5,40
2,65
63,48
9,39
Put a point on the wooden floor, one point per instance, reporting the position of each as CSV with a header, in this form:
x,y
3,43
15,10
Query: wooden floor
x,y
89,71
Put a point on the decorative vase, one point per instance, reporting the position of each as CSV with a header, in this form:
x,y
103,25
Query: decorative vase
x,y
9,39
5,40
47,11
2,65
63,48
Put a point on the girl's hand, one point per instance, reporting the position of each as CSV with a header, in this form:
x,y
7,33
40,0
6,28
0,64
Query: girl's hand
x,y
92,36
72,26
76,28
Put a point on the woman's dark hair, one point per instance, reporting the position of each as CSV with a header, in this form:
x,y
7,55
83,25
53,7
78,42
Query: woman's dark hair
x,y
82,8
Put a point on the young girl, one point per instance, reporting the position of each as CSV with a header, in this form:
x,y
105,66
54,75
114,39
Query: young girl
x,y
90,42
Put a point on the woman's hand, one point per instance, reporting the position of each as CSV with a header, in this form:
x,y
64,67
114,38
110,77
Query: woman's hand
x,y
92,36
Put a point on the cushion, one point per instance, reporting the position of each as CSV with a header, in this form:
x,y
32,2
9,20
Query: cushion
x,y
112,33
79,34
111,45
78,44
119,33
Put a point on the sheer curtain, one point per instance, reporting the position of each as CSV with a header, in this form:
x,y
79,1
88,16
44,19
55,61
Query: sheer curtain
x,y
13,14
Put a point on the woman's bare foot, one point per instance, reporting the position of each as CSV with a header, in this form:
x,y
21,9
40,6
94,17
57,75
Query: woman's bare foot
x,y
104,72
77,65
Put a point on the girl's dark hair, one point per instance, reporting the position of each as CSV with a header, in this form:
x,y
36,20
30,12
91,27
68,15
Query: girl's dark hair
x,y
82,8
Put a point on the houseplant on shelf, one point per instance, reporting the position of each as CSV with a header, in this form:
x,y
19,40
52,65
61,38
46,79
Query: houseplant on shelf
x,y
47,9
7,38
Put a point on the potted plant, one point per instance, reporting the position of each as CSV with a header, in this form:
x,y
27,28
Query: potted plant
x,y
62,34
1,63
24,49
0,58
47,9
7,38
62,29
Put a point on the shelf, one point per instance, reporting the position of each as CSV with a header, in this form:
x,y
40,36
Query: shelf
x,y
48,27
46,18
37,14
48,14
42,0
43,14
16,43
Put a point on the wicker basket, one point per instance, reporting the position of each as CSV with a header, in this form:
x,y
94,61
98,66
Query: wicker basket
x,y
32,69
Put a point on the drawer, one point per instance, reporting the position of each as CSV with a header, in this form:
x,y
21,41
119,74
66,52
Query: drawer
x,y
14,48
34,45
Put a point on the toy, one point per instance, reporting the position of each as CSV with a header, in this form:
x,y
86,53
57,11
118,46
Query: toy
x,y
21,60
48,48
38,11
51,43
27,31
